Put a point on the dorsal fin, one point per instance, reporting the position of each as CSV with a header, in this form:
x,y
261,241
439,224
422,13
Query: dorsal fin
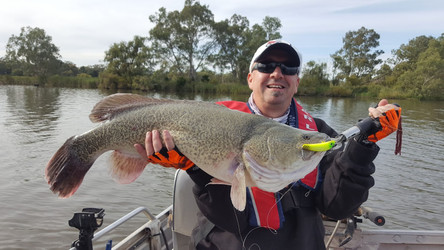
x,y
114,104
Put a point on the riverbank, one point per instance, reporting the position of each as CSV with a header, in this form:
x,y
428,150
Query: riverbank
x,y
203,87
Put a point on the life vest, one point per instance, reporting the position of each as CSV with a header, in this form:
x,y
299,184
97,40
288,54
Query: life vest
x,y
265,207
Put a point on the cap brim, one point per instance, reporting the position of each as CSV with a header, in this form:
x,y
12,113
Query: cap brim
x,y
293,55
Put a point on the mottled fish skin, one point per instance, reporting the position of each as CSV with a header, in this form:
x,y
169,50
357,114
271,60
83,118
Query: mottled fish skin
x,y
235,147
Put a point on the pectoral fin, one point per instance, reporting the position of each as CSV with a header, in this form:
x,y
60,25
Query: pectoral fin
x,y
238,189
126,169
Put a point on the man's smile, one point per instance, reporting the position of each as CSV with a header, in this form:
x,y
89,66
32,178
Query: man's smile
x,y
274,86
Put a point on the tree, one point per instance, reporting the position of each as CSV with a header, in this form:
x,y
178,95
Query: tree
x,y
183,40
384,76
423,73
255,37
92,70
271,26
4,68
410,52
314,78
356,56
129,59
236,42
230,39
315,73
33,52
68,69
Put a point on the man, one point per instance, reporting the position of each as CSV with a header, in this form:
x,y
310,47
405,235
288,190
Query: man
x,y
292,219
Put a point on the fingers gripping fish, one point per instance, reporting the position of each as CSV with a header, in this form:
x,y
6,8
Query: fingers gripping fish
x,y
237,148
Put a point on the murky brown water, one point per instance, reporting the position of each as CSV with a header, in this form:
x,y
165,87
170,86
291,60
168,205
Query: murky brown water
x,y
34,123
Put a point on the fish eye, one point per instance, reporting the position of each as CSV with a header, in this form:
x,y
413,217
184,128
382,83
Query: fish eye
x,y
306,137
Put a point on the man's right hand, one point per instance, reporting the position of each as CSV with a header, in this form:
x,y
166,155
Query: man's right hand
x,y
154,151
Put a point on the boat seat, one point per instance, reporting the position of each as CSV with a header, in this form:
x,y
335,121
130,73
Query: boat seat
x,y
184,210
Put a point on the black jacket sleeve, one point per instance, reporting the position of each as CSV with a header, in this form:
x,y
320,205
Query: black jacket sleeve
x,y
346,176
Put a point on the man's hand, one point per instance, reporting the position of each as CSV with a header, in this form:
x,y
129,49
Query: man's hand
x,y
383,106
388,115
156,153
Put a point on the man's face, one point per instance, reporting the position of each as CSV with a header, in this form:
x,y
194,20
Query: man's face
x,y
273,88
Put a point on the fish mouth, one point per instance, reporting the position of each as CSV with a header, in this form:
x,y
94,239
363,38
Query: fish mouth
x,y
270,180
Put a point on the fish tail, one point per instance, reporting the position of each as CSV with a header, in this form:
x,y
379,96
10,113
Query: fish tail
x,y
66,170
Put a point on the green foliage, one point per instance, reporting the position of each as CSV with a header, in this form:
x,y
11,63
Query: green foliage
x,y
389,93
355,81
409,53
183,43
112,81
73,82
130,59
93,70
419,72
84,75
68,69
5,69
356,56
271,26
183,40
236,43
230,38
52,81
314,79
417,69
187,51
339,91
18,80
32,52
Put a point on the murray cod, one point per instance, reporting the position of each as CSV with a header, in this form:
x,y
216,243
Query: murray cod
x,y
236,148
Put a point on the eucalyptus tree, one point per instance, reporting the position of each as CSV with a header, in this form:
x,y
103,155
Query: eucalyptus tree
x,y
420,67
129,59
4,68
183,40
409,53
231,39
358,55
271,26
237,42
315,74
33,53
260,34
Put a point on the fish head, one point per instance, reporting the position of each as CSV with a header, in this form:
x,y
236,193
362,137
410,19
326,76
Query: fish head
x,y
276,158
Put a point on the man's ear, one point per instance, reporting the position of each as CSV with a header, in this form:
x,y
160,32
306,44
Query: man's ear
x,y
250,80
297,85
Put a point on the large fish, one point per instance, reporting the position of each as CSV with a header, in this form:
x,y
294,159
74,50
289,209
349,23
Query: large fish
x,y
235,147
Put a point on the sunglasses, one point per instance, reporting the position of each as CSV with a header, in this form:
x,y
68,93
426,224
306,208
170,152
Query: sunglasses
x,y
270,67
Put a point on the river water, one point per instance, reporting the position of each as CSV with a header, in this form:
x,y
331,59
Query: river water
x,y
35,122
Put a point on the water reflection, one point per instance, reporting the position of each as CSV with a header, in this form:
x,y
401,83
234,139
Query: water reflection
x,y
33,112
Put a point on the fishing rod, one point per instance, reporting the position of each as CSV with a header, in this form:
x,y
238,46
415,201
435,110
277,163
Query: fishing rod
x,y
364,127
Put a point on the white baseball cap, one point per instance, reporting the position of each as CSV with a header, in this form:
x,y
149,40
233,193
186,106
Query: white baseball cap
x,y
278,44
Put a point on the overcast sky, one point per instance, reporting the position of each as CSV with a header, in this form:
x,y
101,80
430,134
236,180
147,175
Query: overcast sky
x,y
84,29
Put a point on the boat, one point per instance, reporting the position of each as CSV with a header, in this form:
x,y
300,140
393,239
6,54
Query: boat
x,y
171,228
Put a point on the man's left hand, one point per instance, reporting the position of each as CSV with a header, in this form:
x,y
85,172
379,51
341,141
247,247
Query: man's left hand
x,y
388,115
